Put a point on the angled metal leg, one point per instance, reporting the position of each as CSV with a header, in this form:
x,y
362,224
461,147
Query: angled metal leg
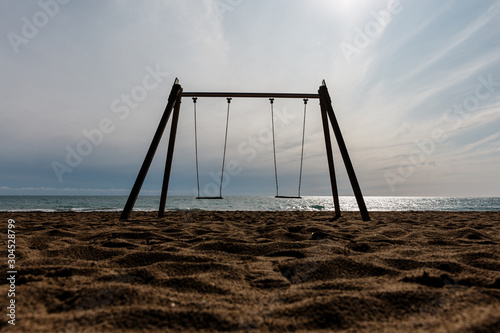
x,y
170,155
329,155
327,102
176,89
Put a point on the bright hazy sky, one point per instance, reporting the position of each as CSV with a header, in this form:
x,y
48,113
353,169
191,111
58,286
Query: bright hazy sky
x,y
415,87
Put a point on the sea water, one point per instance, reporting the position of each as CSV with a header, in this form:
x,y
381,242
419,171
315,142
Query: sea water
x,y
250,203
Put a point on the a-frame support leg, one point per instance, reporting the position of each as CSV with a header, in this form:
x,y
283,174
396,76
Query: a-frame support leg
x,y
327,103
172,98
329,155
170,155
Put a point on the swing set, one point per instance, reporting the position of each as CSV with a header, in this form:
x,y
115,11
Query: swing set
x,y
173,107
271,100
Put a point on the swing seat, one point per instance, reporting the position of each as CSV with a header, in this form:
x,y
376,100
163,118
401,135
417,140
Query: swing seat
x,y
208,197
287,197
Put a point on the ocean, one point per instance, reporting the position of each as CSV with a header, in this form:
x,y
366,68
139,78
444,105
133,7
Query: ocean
x,y
249,203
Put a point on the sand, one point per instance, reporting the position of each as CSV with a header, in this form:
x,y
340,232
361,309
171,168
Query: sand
x,y
255,272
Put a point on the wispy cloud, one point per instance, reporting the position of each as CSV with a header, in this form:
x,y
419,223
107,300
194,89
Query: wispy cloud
x,y
491,15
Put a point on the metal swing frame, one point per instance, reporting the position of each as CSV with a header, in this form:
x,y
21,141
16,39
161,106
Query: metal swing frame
x,y
173,107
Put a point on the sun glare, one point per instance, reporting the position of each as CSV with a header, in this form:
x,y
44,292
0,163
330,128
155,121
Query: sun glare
x,y
350,9
346,6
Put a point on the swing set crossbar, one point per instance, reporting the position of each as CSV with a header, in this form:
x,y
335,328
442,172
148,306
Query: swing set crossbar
x,y
249,95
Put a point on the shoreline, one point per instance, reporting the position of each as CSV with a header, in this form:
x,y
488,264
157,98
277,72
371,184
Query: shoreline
x,y
254,271
316,204
198,210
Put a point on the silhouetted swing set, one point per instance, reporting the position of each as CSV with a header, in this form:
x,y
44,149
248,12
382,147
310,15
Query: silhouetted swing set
x,y
173,106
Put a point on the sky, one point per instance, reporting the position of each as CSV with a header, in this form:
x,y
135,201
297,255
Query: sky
x,y
415,87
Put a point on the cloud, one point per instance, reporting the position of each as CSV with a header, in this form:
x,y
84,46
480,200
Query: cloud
x,y
456,41
396,91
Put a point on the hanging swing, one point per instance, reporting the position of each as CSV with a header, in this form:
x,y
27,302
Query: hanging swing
x,y
223,155
271,100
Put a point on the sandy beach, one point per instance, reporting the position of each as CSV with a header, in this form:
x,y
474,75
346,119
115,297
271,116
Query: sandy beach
x,y
255,271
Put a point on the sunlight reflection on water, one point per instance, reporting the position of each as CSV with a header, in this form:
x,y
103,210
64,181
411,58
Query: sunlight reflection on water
x,y
307,203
